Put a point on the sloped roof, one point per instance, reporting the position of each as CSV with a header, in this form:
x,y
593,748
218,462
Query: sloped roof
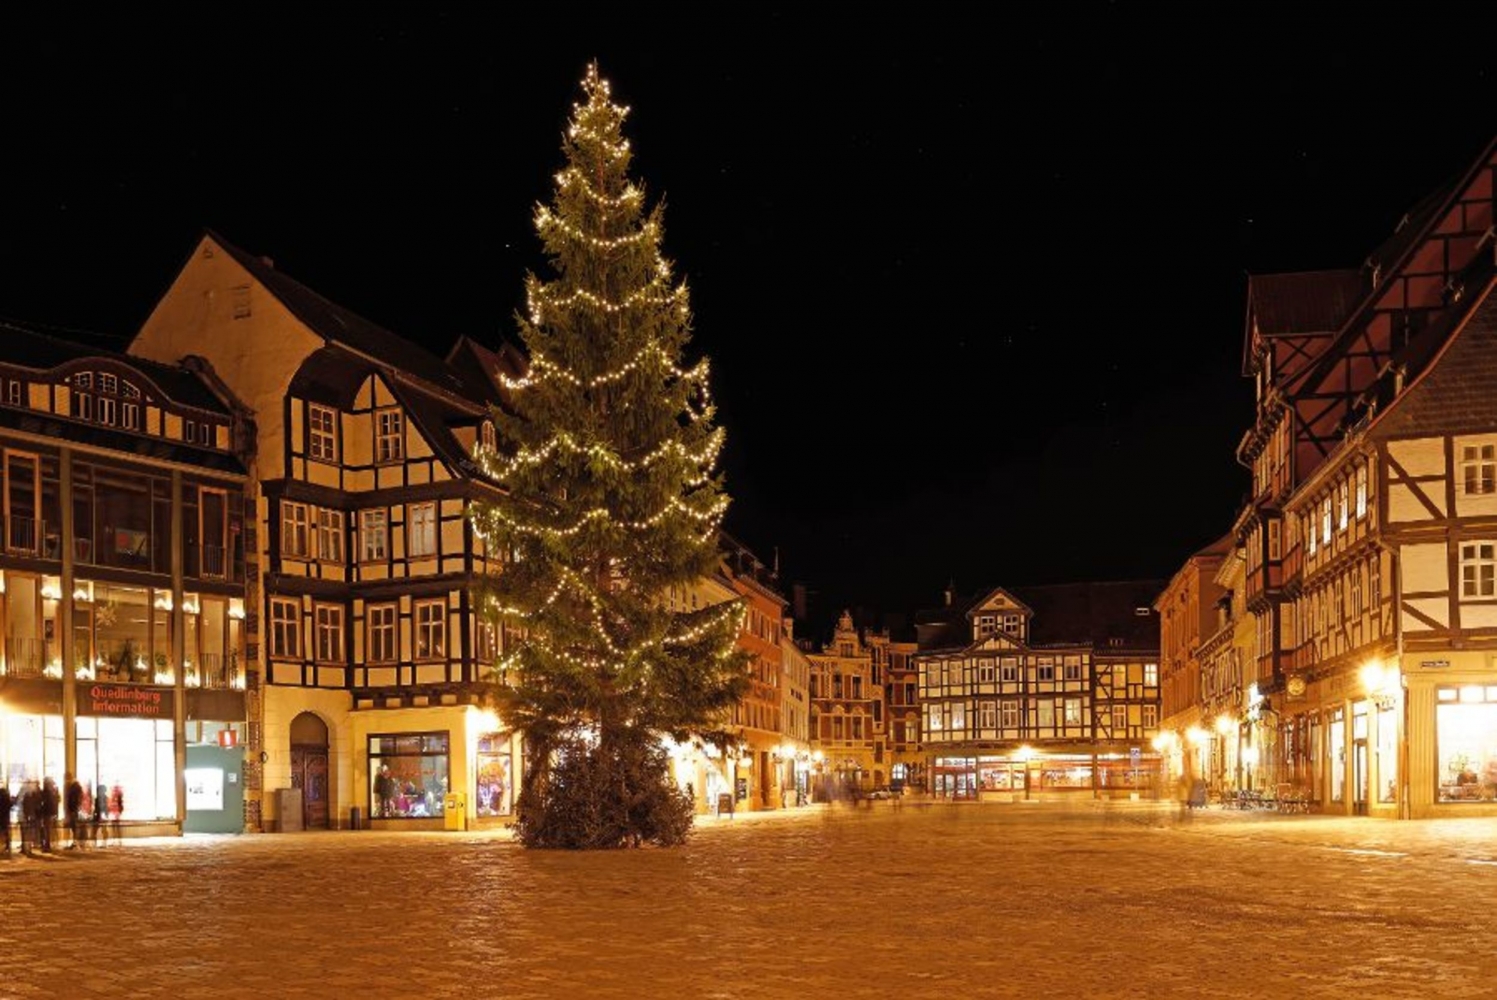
x,y
1454,392
42,352
337,324
480,367
1093,614
1304,301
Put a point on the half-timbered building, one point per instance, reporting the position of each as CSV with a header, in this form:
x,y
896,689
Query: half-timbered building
x,y
127,539
1375,691
1055,693
1188,614
361,621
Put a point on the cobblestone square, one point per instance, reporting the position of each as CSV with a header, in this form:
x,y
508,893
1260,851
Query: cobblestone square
x,y
918,900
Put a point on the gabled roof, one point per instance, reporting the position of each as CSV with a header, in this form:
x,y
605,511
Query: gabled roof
x,y
996,592
339,325
1094,613
480,367
42,352
1300,302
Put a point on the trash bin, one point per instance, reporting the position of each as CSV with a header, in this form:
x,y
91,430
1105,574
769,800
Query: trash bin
x,y
455,811
355,818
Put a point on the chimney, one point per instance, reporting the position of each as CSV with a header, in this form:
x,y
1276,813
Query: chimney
x,y
950,593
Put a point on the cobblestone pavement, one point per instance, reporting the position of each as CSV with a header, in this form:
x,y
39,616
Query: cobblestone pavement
x,y
915,901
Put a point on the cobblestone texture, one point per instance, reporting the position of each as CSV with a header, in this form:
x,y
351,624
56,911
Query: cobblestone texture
x,y
922,900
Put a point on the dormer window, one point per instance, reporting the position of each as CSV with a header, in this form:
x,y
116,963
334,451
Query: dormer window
x,y
1011,624
322,433
106,399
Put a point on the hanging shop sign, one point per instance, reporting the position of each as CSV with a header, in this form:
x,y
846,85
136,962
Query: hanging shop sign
x,y
133,700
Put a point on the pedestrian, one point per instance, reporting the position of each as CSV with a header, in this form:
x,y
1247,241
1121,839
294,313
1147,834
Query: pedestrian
x,y
5,805
101,802
31,808
51,803
72,807
116,810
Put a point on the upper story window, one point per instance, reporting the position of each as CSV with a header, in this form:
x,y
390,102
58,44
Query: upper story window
x,y
1478,569
389,439
105,398
1361,491
373,535
1151,675
1325,520
322,433
1479,468
422,530
330,535
1343,506
13,392
294,529
285,628
1046,670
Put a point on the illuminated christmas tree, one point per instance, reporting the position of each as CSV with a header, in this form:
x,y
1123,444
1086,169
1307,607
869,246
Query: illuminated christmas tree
x,y
613,508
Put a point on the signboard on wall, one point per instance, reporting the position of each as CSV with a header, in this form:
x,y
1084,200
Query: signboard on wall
x,y
205,788
135,701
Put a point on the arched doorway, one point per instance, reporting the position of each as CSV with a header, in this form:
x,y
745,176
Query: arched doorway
x,y
309,768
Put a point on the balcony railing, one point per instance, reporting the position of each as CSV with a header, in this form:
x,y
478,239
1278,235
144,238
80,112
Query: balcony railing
x,y
25,657
22,534
214,562
216,672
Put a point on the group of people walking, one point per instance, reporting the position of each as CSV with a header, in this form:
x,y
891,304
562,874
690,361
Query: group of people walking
x,y
90,815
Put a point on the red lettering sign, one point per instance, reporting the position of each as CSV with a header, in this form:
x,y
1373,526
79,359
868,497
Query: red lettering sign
x,y
132,700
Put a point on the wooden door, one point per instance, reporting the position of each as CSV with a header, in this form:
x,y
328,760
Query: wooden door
x,y
309,773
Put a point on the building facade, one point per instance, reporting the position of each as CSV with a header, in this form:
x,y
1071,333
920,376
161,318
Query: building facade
x,y
127,543
360,623
1055,694
894,663
1188,614
847,715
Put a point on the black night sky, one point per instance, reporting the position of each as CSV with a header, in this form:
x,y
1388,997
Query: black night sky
x,y
972,284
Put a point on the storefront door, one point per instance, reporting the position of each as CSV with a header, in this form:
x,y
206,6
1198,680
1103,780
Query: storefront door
x,y
1360,779
309,773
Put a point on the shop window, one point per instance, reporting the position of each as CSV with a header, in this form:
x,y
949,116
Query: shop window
x,y
1465,719
408,775
133,755
495,785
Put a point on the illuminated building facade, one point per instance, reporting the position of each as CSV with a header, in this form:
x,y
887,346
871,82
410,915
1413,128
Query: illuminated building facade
x,y
123,569
1051,692
847,714
1188,614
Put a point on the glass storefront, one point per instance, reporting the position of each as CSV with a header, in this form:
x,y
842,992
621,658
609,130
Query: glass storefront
x,y
1387,754
495,795
1336,755
137,755
408,775
1466,742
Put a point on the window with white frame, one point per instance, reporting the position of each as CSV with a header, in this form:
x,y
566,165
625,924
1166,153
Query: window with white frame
x,y
1120,718
1478,569
1011,624
933,717
1010,715
1361,491
329,535
1343,506
1008,671
1311,535
1045,671
13,392
285,628
988,715
1072,709
985,625
958,715
381,623
389,436
1151,716
1325,521
329,618
322,433
1151,675
985,671
374,531
1044,714
421,526
294,529
1479,468
1072,670
431,629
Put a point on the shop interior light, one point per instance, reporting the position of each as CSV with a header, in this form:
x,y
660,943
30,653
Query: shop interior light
x,y
1225,724
1196,735
51,588
236,608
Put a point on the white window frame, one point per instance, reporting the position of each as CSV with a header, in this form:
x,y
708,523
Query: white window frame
x,y
1151,675
933,717
382,623
1325,520
1008,671
329,535
322,433
1119,718
329,627
430,627
389,436
986,671
988,715
1071,712
1343,502
1044,672
1011,624
285,628
1071,671
296,530
421,530
1361,491
958,716
1479,569
1010,714
1151,716
374,535
1478,469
